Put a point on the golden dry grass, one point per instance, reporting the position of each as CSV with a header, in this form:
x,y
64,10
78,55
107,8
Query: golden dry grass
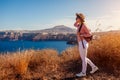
x,y
47,64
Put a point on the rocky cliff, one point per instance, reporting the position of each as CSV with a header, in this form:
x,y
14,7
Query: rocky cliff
x,y
60,32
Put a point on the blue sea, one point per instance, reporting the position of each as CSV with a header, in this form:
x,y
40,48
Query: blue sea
x,y
14,46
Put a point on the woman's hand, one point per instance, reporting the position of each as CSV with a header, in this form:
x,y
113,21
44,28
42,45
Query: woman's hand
x,y
82,37
76,24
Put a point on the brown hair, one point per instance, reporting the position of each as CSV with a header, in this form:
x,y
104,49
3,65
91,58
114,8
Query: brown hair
x,y
80,16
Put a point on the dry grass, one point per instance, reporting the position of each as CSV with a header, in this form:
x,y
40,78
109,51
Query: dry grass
x,y
47,64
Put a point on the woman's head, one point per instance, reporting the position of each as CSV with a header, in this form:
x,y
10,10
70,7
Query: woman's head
x,y
80,17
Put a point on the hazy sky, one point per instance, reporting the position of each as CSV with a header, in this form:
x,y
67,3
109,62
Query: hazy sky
x,y
41,14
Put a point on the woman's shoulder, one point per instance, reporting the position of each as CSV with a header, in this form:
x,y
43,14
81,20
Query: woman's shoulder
x,y
86,26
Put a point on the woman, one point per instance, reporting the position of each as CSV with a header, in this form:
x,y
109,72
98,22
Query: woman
x,y
83,44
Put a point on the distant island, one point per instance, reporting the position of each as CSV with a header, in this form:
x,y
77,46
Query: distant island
x,y
58,33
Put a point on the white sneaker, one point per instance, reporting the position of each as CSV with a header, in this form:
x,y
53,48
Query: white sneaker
x,y
94,70
81,74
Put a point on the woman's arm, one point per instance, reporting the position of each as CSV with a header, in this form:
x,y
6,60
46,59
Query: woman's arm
x,y
77,24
